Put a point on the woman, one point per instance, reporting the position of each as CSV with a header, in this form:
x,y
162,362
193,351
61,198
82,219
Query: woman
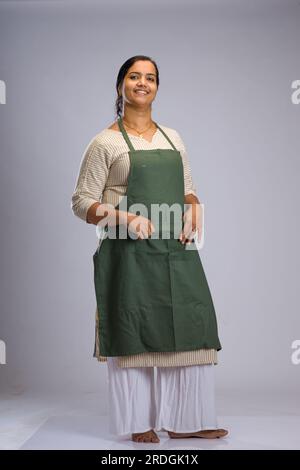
x,y
154,307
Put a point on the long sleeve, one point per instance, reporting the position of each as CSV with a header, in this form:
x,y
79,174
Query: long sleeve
x,y
91,179
189,187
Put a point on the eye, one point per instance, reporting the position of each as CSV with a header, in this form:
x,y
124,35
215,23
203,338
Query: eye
x,y
152,79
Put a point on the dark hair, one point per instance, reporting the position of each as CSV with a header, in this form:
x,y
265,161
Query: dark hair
x,y
122,72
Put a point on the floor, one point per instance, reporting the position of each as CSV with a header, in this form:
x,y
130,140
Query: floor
x,y
57,421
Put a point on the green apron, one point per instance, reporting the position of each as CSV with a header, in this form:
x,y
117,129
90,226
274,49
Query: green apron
x,y
152,294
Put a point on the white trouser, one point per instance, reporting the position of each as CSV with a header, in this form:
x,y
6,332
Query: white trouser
x,y
181,399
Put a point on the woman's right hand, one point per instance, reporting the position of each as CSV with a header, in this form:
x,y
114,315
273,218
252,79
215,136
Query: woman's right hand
x,y
140,226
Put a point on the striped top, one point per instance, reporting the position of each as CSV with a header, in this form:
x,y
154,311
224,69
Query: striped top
x,y
102,177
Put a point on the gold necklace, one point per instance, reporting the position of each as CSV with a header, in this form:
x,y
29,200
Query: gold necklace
x,y
139,133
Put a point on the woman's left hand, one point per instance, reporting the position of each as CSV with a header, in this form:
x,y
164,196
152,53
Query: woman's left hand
x,y
192,218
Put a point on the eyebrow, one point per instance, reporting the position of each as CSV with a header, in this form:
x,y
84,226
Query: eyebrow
x,y
146,73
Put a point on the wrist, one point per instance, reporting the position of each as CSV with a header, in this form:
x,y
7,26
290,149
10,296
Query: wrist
x,y
126,217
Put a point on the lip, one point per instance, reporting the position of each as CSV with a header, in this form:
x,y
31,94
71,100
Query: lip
x,y
141,89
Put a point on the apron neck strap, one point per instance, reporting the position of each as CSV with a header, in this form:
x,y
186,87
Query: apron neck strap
x,y
125,135
169,140
128,141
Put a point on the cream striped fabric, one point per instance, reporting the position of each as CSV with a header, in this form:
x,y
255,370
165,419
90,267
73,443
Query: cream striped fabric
x,y
102,177
105,167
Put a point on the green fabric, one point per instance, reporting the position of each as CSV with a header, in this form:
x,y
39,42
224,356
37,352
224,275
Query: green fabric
x,y
152,294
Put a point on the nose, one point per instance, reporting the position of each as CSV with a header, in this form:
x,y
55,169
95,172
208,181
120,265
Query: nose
x,y
142,81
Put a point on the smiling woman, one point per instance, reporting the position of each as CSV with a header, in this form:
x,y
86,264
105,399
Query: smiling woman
x,y
154,306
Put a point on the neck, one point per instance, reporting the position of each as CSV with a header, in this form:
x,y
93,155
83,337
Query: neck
x,y
140,119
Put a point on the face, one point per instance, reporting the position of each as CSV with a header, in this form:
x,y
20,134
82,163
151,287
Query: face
x,y
139,85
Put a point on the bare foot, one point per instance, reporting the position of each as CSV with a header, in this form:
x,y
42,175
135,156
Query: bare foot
x,y
147,436
207,434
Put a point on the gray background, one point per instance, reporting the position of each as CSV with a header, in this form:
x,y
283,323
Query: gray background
x,y
226,69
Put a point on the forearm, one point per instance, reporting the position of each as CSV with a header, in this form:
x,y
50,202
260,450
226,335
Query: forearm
x,y
106,213
193,210
191,199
